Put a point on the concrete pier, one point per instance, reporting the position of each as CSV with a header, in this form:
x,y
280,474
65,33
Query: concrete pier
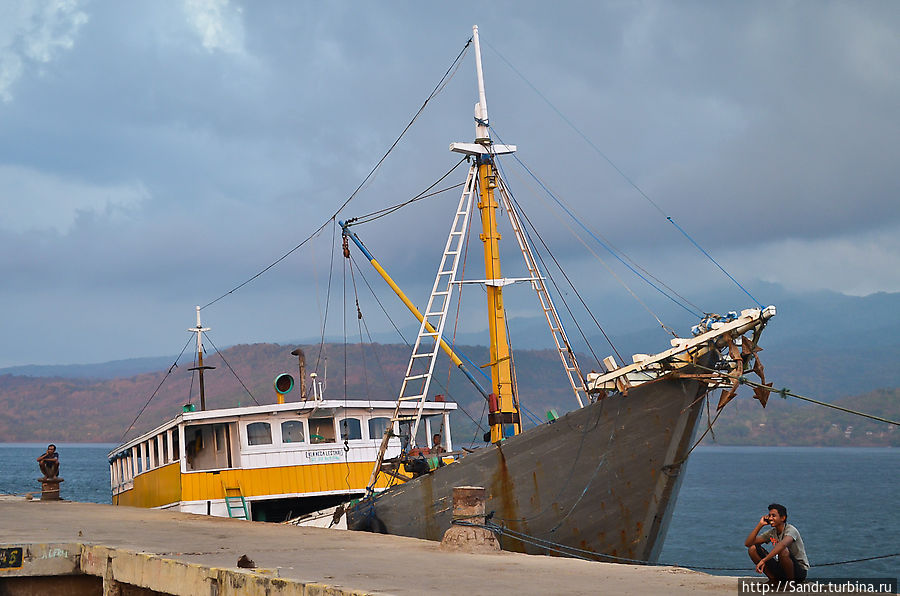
x,y
101,549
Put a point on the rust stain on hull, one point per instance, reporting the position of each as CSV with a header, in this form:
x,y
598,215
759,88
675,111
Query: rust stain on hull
x,y
591,480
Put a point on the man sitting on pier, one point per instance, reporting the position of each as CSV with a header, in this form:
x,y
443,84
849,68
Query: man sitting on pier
x,y
49,463
787,561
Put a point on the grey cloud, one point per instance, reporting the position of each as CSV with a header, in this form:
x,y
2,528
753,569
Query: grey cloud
x,y
765,130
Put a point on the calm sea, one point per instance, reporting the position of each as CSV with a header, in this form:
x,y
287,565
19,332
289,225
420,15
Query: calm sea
x,y
843,501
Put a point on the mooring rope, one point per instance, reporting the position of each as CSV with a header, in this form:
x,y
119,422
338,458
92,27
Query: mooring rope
x,y
584,554
784,392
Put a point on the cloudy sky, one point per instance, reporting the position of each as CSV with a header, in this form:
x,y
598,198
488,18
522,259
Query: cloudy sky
x,y
155,155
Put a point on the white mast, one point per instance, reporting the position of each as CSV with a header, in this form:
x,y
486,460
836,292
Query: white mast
x,y
199,329
481,114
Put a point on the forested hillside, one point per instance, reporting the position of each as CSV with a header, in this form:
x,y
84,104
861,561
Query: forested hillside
x,y
100,410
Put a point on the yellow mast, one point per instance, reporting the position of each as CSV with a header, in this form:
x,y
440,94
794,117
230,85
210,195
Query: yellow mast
x,y
504,412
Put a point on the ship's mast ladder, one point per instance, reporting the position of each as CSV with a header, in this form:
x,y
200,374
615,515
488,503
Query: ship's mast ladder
x,y
424,354
566,354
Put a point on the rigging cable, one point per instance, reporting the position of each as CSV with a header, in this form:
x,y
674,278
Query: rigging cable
x,y
365,326
345,435
344,311
784,393
556,286
369,217
327,297
627,258
615,276
451,71
191,389
403,338
565,275
622,173
222,356
596,237
359,324
575,290
588,554
171,368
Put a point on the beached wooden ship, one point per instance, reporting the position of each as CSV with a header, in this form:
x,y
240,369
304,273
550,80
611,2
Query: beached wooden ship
x,y
600,481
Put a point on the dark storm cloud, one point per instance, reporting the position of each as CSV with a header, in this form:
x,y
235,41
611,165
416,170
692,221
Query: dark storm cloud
x,y
158,154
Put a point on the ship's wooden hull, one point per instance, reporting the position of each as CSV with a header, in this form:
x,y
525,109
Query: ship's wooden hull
x,y
603,478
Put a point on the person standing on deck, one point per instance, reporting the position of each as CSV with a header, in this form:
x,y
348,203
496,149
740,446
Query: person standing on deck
x,y
788,560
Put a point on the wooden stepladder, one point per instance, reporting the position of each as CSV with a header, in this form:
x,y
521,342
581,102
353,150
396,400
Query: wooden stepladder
x,y
235,503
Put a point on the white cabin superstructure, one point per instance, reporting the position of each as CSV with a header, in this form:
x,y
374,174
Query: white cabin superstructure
x,y
267,462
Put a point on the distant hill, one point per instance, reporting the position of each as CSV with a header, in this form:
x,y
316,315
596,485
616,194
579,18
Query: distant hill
x,y
824,345
103,370
793,422
100,410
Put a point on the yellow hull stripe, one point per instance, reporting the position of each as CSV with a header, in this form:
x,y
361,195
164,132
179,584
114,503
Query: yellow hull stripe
x,y
166,485
155,488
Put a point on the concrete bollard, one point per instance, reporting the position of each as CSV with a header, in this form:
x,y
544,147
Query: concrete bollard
x,y
468,506
50,488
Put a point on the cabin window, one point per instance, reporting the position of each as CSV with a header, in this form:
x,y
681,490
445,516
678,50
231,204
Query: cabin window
x,y
292,431
351,429
321,430
377,426
176,451
259,433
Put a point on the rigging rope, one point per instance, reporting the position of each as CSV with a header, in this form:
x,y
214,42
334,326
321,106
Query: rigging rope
x,y
171,368
785,392
630,260
403,338
580,553
222,356
369,217
451,71
621,172
344,310
191,389
327,298
372,343
359,325
568,280
597,238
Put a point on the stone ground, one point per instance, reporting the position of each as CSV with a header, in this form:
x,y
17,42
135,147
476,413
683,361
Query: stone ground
x,y
340,560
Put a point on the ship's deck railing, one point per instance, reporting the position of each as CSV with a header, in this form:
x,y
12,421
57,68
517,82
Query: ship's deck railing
x,y
684,351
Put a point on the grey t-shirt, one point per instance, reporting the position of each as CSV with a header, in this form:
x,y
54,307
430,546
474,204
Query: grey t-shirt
x,y
796,548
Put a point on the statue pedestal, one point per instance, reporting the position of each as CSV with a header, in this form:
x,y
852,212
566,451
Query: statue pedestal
x,y
50,488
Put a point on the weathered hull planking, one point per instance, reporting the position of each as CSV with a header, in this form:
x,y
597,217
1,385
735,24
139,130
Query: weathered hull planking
x,y
603,478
